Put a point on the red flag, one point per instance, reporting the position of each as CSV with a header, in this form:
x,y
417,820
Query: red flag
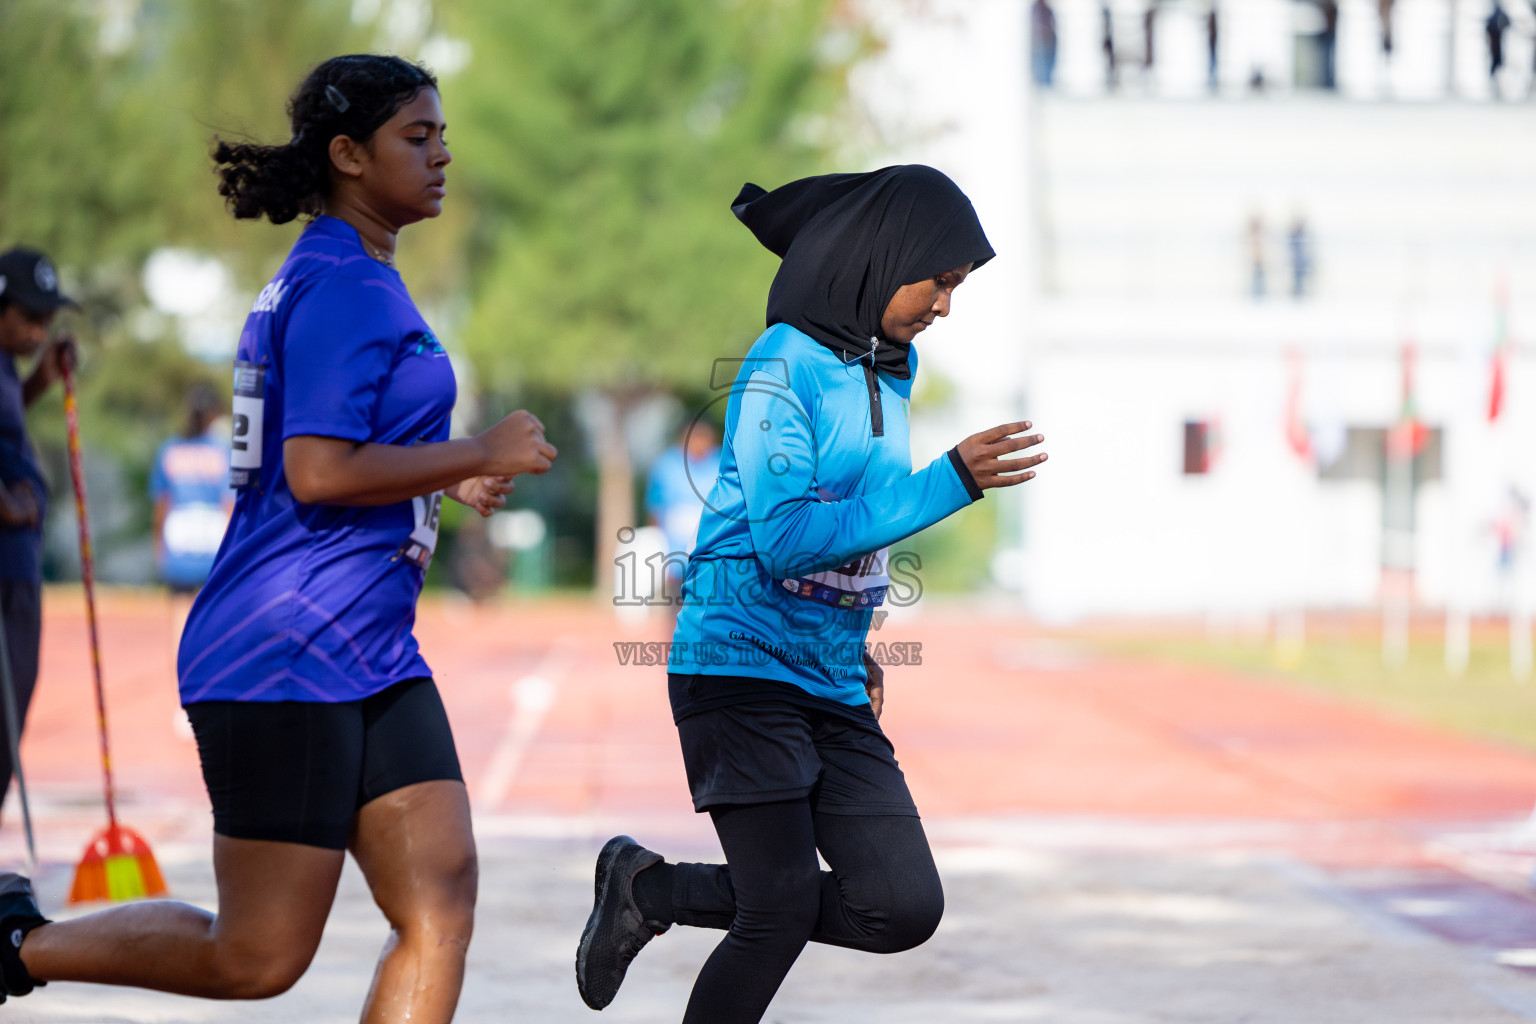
x,y
1496,386
1408,436
1499,362
1296,434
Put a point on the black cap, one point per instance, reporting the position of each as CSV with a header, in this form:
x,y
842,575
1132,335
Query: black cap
x,y
29,280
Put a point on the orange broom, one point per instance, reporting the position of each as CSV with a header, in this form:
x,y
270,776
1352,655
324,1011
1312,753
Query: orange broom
x,y
117,864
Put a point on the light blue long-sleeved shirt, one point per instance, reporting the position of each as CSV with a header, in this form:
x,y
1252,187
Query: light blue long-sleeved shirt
x,y
790,562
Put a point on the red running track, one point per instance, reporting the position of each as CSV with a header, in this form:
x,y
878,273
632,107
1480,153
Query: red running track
x,y
996,721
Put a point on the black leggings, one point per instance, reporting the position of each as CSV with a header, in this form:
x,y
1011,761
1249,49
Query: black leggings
x,y
881,896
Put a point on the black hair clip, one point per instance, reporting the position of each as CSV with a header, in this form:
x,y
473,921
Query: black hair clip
x,y
337,99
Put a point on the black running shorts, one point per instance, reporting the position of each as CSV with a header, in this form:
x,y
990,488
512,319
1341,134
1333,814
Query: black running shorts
x,y
297,772
761,751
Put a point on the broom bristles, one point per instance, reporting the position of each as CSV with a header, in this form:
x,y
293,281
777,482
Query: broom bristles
x,y
117,865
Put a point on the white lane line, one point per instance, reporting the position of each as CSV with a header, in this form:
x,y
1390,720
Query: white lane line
x,y
532,696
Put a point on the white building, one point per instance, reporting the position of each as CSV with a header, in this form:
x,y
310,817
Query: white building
x,y
1122,317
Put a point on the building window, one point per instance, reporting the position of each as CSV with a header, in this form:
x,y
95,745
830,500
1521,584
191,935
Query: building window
x,y
1199,447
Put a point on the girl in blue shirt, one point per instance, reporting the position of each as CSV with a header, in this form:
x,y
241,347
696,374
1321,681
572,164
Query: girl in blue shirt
x,y
318,725
775,698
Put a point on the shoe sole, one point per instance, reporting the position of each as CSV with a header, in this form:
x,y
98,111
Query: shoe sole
x,y
600,879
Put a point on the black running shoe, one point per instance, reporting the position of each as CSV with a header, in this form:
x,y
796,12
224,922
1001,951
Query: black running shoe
x,y
18,916
616,931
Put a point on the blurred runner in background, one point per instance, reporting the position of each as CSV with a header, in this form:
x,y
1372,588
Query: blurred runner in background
x,y
29,298
680,480
189,485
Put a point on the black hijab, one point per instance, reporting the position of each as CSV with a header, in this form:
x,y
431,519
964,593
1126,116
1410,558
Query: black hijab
x,y
849,241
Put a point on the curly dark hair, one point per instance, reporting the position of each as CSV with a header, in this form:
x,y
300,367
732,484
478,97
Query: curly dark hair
x,y
351,95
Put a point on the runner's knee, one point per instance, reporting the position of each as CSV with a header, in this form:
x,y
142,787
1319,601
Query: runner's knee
x,y
885,910
246,974
445,915
911,921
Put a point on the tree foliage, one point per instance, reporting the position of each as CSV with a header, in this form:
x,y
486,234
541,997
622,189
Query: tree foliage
x,y
587,242
602,143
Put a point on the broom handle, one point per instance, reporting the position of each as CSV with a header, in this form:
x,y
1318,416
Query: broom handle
x,y
72,426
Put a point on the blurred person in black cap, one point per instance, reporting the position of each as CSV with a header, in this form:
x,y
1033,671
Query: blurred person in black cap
x,y
29,298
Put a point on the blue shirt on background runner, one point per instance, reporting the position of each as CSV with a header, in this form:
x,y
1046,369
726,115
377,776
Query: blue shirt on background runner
x,y
191,474
674,494
317,602
790,562
21,547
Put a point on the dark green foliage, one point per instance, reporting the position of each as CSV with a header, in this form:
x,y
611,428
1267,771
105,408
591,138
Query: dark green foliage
x,y
602,143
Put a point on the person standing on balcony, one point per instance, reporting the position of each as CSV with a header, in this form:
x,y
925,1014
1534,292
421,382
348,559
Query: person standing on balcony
x,y
1110,77
1212,38
1042,43
1494,27
1530,89
1300,243
1330,40
1256,277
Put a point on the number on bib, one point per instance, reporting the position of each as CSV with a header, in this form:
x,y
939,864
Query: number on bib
x,y
245,438
421,544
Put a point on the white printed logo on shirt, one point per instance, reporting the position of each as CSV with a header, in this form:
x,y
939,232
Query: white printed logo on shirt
x,y
270,296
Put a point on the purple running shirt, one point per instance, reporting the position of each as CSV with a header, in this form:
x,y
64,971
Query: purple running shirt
x,y
317,602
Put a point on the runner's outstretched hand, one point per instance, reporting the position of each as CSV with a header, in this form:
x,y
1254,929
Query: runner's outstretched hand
x,y
484,494
983,454
517,445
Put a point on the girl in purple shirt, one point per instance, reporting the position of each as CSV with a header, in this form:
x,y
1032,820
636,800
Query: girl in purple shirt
x,y
317,721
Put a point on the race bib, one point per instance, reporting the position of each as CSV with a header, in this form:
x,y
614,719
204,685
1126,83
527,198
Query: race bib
x,y
418,548
859,584
245,436
194,530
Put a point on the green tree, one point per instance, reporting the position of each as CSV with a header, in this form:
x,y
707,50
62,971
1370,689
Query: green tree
x,y
601,144
78,174
105,131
